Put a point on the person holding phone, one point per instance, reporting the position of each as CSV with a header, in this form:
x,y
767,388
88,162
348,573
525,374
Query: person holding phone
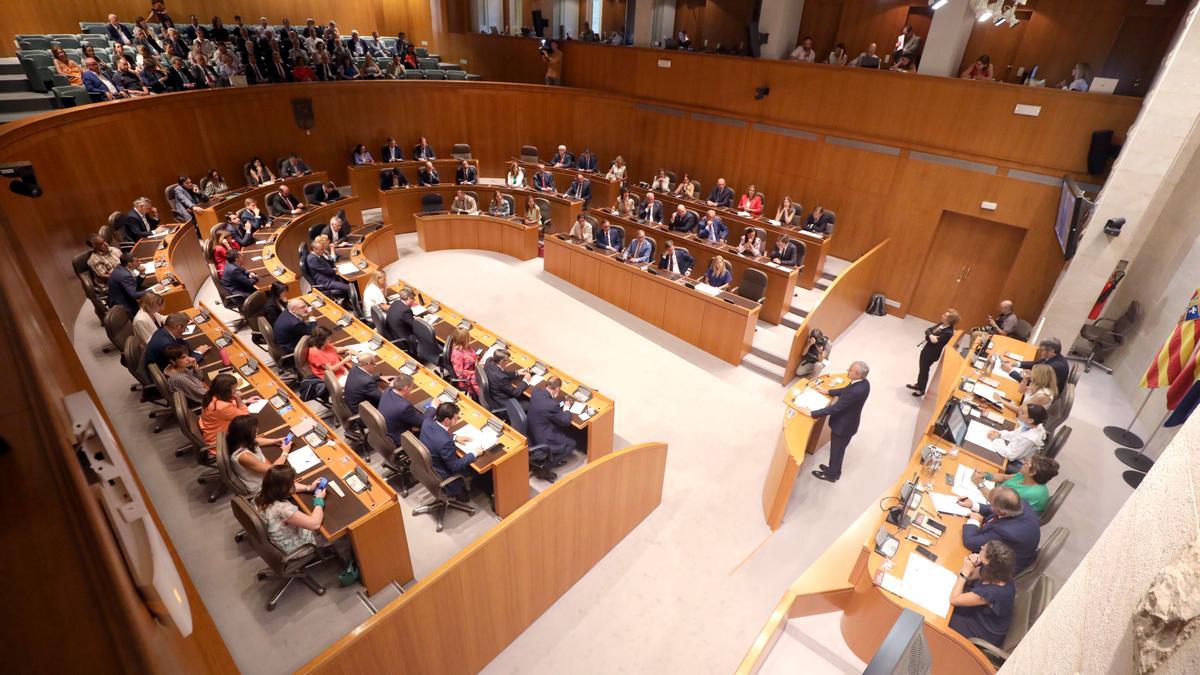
x,y
247,460
288,527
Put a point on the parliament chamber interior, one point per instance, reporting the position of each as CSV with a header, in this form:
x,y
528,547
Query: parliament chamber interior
x,y
593,336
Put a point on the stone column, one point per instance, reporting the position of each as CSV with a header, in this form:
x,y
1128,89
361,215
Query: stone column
x,y
947,39
780,19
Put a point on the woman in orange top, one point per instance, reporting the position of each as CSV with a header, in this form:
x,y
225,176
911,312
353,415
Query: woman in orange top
x,y
462,359
751,202
323,354
66,66
220,406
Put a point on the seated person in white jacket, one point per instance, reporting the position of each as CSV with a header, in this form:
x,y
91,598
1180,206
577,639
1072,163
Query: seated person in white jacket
x,y
1027,438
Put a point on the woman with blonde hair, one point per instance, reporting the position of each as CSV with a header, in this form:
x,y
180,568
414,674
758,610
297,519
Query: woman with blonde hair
x,y
149,316
617,170
718,274
1038,388
373,294
464,361
533,214
937,337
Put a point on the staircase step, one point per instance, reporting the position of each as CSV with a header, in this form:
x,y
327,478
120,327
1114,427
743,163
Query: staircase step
x,y
26,101
767,356
14,83
791,321
767,369
11,66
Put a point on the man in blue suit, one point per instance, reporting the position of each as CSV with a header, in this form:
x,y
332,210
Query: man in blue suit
x,y
542,180
234,278
443,453
292,325
675,260
581,188
712,228
640,249
1008,519
423,150
363,383
99,86
586,161
125,286
608,237
844,417
562,159
170,333
650,209
548,422
399,415
118,32
324,275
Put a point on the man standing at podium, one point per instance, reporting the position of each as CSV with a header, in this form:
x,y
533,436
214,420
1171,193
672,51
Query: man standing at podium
x,y
844,416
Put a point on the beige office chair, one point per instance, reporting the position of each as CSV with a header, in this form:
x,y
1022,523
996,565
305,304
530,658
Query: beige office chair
x,y
118,325
347,420
1057,441
1046,554
1028,606
395,462
1098,340
91,290
422,469
286,567
300,358
189,424
1056,502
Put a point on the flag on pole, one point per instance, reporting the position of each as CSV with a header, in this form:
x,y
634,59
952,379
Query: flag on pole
x,y
1177,368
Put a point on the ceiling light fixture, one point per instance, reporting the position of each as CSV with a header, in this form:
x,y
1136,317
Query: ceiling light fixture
x,y
937,4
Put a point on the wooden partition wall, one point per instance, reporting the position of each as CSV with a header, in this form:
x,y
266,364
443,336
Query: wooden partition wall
x,y
842,303
461,616
875,194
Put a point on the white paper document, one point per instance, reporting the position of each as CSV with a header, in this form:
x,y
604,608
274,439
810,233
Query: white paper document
x,y
977,433
811,399
891,583
711,291
984,391
303,459
479,439
148,268
418,310
964,485
928,584
1000,371
577,408
948,504
189,329
534,380
361,347
347,268
257,406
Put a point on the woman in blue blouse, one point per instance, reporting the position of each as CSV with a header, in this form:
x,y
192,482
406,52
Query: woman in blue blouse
x,y
362,155
718,275
984,593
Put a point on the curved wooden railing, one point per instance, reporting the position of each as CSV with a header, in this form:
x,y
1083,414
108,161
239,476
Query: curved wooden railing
x,y
459,617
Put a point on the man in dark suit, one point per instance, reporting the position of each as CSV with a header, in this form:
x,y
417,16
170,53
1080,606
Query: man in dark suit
x,y
650,209
1009,519
586,161
141,221
562,159
542,180
176,40
118,32
548,422
399,415
428,175
502,384
820,221
234,278
443,453
328,193
675,260
466,174
291,204
1049,352
292,325
712,228
682,220
390,179
398,321
581,188
423,150
170,333
844,417
125,286
787,252
252,215
187,200
180,77
99,86
608,237
324,274
338,232
391,152
294,166
363,383
720,195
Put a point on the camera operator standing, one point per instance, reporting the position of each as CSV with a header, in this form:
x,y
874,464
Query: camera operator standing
x,y
552,55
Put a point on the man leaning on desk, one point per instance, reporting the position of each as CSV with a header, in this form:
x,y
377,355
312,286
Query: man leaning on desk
x,y
1049,352
844,417
1008,519
443,453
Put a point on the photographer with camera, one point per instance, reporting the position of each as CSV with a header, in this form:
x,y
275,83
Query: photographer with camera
x,y
552,55
816,355
1002,324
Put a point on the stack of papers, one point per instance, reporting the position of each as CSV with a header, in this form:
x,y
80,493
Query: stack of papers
x,y
257,406
711,291
927,584
418,310
148,268
347,268
576,408
478,439
811,399
948,504
964,485
985,391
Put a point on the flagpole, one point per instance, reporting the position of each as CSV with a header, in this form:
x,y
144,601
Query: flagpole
x,y
1137,460
1125,437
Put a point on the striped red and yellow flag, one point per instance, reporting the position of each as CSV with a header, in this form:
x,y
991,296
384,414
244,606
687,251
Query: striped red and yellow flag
x,y
1176,365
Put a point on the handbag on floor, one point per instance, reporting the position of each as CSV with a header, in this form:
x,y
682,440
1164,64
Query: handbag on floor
x,y
877,305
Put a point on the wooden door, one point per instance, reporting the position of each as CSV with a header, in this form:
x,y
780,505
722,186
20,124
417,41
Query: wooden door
x,y
967,267
1137,52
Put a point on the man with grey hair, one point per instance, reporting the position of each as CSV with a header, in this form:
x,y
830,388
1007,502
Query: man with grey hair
x,y
292,325
844,417
1049,352
363,383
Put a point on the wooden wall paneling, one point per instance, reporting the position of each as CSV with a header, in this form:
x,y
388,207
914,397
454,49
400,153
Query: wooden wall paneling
x,y
725,22
1001,44
613,16
689,16
821,20
878,21
405,637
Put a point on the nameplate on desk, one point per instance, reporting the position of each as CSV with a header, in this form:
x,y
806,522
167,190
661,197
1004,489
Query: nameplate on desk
x,y
464,324
448,395
160,263
538,368
345,320
409,368
433,308
582,394
277,271
317,301
223,340
201,317
279,401
376,342
494,425
248,368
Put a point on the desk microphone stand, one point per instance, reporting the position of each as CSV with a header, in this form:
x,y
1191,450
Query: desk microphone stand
x,y
1125,437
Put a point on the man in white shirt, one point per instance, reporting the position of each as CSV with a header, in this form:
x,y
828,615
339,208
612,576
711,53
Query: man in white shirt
x,y
1021,443
804,51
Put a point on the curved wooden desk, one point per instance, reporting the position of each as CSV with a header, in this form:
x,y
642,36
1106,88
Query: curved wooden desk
x,y
722,325
510,236
844,576
364,178
401,204
597,428
604,191
781,281
214,210
177,262
816,246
